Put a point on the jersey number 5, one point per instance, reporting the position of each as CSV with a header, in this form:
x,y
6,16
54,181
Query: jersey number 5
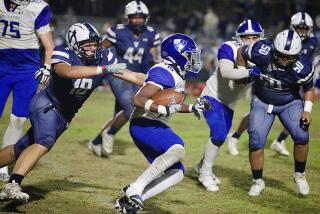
x,y
14,32
136,57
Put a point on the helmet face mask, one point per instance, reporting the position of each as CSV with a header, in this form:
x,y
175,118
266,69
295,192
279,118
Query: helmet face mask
x,y
283,61
302,23
181,50
303,31
249,39
137,14
84,39
249,28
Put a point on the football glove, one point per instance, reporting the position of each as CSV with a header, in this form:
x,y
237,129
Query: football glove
x,y
43,74
111,69
254,72
200,105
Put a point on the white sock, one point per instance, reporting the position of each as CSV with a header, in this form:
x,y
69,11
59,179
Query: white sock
x,y
159,165
14,130
162,183
210,154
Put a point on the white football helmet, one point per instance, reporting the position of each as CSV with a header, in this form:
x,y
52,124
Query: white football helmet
x,y
79,34
136,8
302,21
22,3
286,47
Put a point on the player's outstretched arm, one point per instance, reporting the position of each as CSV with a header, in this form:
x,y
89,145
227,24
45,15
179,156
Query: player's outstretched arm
x,y
134,77
75,72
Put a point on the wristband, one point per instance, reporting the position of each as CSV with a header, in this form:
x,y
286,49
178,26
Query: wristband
x,y
308,106
162,110
148,104
100,69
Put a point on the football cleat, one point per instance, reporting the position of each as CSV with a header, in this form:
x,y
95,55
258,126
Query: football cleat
x,y
134,198
197,169
209,180
4,177
257,187
123,206
280,147
12,191
232,145
107,142
301,181
95,149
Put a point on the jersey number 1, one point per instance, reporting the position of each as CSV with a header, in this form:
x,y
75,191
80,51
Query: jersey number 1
x,y
15,31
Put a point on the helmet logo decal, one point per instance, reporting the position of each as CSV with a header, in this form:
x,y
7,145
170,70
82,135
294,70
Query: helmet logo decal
x,y
289,40
179,44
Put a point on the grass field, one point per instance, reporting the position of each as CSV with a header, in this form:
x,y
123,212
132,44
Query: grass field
x,y
71,180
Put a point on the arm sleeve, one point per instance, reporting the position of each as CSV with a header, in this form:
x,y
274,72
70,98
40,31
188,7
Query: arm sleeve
x,y
156,40
43,18
160,77
59,56
228,71
111,35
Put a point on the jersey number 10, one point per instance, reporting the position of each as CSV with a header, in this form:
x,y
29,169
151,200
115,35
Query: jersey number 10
x,y
15,33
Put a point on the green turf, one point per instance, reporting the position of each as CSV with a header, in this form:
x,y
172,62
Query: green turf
x,y
71,180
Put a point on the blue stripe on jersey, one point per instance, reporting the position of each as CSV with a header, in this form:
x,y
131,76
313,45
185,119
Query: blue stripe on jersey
x,y
225,52
161,77
43,18
289,40
19,60
113,58
59,58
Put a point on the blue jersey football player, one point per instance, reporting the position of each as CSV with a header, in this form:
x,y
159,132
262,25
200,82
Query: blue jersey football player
x,y
77,71
22,23
149,122
135,44
283,73
302,23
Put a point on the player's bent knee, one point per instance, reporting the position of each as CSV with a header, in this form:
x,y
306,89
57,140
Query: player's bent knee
x,y
301,137
177,151
17,121
47,143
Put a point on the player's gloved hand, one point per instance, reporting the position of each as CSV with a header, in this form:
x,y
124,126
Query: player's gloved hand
x,y
173,109
254,72
200,105
305,120
43,74
111,69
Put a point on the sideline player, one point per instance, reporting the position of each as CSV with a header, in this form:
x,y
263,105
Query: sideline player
x,y
149,122
22,23
77,71
135,44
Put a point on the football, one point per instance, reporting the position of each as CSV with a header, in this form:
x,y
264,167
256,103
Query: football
x,y
167,97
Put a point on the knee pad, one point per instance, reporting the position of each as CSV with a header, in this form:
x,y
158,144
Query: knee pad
x,y
173,155
17,122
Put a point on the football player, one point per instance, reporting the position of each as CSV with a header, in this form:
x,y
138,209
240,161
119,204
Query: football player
x,y
77,71
149,122
22,23
302,23
223,90
277,93
135,44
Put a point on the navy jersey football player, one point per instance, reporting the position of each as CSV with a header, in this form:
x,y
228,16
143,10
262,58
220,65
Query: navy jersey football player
x,y
277,93
135,44
302,23
23,23
77,71
149,122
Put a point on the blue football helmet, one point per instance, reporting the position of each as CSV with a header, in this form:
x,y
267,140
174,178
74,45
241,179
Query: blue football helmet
x,y
249,27
181,50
